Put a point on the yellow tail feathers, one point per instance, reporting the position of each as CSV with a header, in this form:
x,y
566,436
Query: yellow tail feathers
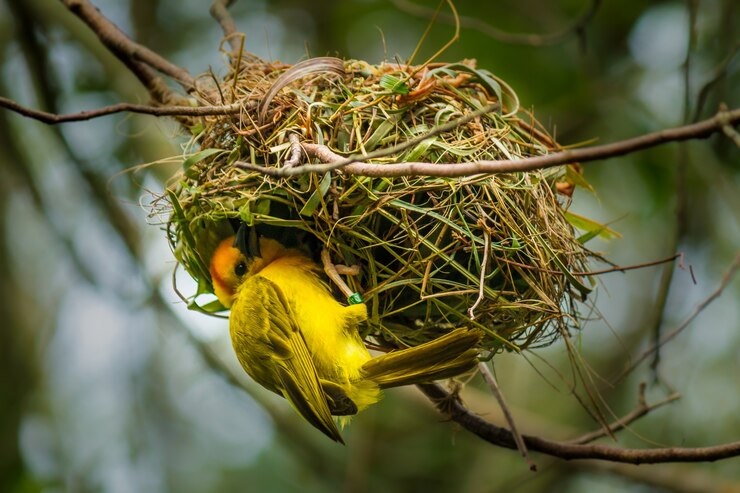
x,y
444,357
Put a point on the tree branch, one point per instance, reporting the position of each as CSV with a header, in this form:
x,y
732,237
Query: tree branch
x,y
53,118
220,11
354,166
127,50
448,405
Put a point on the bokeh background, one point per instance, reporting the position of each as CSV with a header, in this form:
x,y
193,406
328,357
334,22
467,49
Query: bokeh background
x,y
108,383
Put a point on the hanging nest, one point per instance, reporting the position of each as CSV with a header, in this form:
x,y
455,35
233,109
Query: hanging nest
x,y
493,251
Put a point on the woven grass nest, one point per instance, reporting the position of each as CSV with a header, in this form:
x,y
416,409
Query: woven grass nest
x,y
422,244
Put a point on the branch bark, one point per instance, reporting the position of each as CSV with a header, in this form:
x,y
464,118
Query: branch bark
x,y
354,166
448,405
138,58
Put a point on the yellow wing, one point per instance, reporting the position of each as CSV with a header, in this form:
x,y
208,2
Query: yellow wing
x,y
272,350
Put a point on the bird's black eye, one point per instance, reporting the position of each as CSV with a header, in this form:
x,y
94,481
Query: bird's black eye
x,y
240,269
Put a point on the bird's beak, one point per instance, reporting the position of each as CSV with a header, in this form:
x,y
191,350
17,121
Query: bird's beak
x,y
247,241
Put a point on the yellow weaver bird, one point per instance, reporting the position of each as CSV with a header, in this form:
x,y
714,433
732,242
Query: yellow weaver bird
x,y
294,338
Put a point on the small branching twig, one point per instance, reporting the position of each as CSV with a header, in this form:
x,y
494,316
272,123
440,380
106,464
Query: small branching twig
x,y
575,29
727,127
699,308
639,411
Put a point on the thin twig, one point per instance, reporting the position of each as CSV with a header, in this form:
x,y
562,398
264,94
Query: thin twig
x,y
497,435
53,118
616,268
728,129
699,308
641,410
490,380
719,72
354,166
482,280
474,23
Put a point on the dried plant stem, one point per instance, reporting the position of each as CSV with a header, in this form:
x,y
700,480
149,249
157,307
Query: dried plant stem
x,y
493,385
482,281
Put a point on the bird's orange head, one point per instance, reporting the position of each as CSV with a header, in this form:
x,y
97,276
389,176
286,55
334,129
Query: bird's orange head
x,y
228,268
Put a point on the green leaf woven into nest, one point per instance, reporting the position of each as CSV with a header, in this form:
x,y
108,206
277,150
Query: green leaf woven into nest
x,y
419,241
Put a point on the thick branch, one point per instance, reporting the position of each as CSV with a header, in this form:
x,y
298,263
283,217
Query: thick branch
x,y
123,47
496,435
353,164
220,11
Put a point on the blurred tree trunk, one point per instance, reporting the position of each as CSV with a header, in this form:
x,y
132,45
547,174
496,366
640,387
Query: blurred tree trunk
x,y
17,353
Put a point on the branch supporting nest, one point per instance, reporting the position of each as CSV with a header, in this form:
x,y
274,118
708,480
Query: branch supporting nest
x,y
355,165
502,437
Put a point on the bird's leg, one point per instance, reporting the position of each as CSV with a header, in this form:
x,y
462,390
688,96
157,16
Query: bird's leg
x,y
335,271
352,270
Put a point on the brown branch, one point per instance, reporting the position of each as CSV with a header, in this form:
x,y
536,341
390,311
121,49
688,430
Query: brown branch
x,y
496,435
127,50
354,166
53,118
727,127
220,11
